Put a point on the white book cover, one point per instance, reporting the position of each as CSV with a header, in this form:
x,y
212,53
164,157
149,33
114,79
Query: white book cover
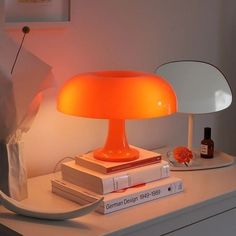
x,y
106,183
146,157
121,199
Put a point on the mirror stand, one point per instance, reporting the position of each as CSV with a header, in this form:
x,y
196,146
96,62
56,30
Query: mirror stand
x,y
190,131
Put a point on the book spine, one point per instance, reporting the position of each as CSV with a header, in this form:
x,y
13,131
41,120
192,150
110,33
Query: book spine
x,y
121,167
114,183
136,178
109,206
155,159
141,197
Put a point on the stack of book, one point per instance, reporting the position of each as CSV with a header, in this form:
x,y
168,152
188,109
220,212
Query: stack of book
x,y
122,184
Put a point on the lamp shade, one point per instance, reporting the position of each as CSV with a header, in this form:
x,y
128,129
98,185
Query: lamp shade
x,y
117,95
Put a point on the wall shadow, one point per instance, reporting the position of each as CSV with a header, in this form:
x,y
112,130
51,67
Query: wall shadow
x,y
227,55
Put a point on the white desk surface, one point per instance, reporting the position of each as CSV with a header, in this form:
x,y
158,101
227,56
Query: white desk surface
x,y
207,193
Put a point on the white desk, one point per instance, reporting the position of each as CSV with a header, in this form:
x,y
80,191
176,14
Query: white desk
x,y
206,207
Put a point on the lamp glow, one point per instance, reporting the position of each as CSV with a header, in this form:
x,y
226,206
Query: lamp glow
x,y
117,95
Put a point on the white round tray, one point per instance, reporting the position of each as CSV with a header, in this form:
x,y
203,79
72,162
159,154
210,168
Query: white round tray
x,y
220,159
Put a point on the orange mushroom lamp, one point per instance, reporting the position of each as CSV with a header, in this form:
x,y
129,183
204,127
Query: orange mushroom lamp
x,y
117,96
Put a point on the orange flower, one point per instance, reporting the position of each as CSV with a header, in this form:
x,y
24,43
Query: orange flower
x,y
182,154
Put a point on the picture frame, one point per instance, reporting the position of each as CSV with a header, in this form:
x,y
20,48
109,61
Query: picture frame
x,y
36,13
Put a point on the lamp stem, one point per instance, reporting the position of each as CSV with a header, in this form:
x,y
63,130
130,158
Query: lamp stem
x,y
116,148
116,138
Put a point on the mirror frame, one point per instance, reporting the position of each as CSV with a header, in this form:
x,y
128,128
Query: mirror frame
x,y
191,115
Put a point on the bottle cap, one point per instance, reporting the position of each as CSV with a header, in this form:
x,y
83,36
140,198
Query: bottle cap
x,y
207,132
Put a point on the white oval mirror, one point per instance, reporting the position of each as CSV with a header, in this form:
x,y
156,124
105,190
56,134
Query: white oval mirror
x,y
200,87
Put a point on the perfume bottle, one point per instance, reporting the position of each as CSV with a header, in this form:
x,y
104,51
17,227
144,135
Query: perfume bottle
x,y
207,144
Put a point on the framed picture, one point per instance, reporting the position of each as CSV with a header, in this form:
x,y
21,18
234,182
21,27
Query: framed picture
x,y
41,13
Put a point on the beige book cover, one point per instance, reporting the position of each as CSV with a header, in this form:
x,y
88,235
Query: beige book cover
x,y
146,157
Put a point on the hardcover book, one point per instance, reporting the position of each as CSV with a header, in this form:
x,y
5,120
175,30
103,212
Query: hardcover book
x,y
146,157
121,199
106,183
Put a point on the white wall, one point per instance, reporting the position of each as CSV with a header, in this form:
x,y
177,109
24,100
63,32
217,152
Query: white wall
x,y
138,35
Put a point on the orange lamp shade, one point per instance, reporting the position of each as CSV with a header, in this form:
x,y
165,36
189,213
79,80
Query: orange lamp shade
x,y
117,95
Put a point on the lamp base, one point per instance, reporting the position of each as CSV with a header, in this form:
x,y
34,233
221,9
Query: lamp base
x,y
124,155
